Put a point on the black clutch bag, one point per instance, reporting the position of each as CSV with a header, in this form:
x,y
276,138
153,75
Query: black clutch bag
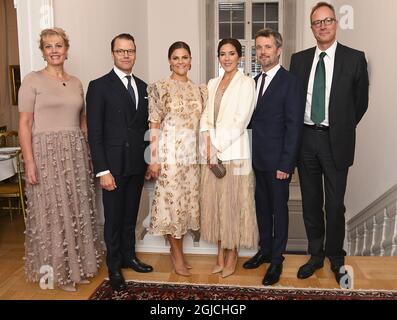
x,y
218,170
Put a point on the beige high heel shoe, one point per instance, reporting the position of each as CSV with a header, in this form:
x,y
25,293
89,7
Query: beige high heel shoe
x,y
228,271
70,287
218,268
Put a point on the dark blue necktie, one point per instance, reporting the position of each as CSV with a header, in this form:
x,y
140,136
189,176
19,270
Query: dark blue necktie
x,y
262,85
131,90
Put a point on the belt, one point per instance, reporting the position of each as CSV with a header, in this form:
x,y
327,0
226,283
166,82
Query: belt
x,y
318,127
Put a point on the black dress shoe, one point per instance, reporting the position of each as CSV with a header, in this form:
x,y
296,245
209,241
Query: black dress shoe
x,y
137,265
309,268
272,275
257,260
117,281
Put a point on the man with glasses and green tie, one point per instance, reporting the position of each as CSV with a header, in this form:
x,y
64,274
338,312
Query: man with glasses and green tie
x,y
117,119
335,80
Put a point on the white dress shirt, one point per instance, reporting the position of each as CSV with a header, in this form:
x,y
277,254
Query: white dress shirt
x,y
123,77
269,77
329,61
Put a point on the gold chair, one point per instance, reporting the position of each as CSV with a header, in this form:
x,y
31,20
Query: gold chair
x,y
14,186
9,139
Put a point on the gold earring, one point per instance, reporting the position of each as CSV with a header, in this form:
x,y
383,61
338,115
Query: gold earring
x,y
190,67
170,68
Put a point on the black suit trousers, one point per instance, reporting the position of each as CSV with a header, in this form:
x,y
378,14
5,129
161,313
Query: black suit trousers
x,y
121,210
271,199
318,173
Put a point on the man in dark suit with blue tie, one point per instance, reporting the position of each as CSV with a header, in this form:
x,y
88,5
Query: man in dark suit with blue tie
x,y
335,81
117,114
276,125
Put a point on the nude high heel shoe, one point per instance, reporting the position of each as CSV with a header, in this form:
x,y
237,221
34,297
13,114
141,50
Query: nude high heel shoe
x,y
228,271
218,268
70,287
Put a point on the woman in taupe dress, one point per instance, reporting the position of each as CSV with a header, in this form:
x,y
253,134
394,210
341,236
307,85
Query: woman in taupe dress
x,y
227,205
61,233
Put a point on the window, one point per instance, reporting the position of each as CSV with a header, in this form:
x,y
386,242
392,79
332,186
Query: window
x,y
241,19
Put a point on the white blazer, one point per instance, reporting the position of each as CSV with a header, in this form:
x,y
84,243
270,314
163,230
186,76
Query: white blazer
x,y
229,135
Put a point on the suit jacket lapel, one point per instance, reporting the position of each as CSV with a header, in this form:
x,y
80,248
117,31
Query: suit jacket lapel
x,y
121,92
119,87
274,84
307,67
337,71
226,94
211,101
141,94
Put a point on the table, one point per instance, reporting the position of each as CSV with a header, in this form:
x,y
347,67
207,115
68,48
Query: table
x,y
8,162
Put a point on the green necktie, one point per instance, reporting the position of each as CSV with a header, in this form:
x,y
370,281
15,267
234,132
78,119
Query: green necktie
x,y
318,97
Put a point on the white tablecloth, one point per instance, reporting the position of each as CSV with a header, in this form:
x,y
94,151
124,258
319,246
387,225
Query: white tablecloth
x,y
8,163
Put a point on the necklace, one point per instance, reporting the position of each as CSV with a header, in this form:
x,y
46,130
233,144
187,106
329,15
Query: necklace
x,y
63,79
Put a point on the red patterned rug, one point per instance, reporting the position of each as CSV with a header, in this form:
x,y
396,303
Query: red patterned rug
x,y
137,290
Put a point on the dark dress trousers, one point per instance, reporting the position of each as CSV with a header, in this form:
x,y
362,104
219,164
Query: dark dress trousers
x,y
276,133
116,134
328,154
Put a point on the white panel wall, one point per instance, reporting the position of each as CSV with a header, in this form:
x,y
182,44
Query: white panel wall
x,y
92,24
170,21
374,171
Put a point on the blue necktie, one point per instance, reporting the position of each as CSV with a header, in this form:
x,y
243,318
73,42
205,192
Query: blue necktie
x,y
131,90
262,85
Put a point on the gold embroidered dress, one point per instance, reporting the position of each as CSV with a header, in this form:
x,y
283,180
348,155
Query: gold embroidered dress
x,y
177,106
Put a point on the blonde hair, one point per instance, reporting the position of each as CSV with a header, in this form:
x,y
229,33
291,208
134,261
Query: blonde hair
x,y
53,32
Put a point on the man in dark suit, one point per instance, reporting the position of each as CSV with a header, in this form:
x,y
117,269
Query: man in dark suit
x,y
276,130
335,81
117,116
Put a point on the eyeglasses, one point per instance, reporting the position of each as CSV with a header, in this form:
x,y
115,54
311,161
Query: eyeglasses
x,y
121,52
326,21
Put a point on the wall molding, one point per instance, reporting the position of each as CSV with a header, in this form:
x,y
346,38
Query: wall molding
x,y
373,232
32,17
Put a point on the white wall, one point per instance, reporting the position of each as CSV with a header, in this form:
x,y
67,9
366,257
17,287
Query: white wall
x,y
155,24
374,171
170,21
304,35
92,24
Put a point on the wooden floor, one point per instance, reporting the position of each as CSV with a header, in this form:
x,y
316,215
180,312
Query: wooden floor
x,y
369,272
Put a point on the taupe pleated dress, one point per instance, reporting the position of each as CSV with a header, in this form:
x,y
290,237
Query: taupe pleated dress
x,y
227,204
61,216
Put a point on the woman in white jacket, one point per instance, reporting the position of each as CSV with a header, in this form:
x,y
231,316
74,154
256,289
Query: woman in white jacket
x,y
227,204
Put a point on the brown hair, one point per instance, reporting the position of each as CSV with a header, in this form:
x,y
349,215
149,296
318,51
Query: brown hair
x,y
125,36
53,32
234,42
267,33
322,4
178,45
